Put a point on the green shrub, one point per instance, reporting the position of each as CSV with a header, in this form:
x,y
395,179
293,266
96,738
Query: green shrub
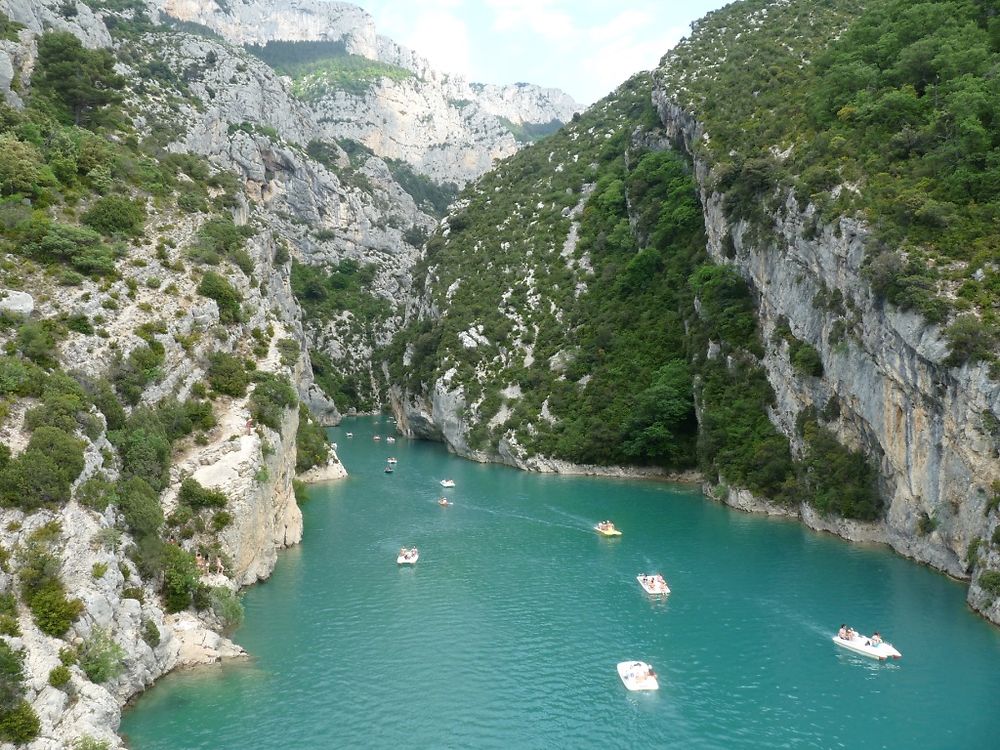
x,y
11,676
310,442
41,475
59,677
271,395
806,359
79,81
99,569
225,295
36,340
52,611
221,520
220,238
90,743
150,633
114,214
140,506
226,374
990,582
289,351
841,481
133,592
227,607
96,493
180,578
193,495
100,657
142,367
19,724
301,490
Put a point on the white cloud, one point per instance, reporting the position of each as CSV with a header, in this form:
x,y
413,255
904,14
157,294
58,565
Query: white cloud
x,y
541,17
614,53
442,38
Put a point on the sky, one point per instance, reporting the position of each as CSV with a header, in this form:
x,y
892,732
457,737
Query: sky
x,y
584,47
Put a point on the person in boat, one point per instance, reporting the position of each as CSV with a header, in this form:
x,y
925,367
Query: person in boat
x,y
842,633
876,639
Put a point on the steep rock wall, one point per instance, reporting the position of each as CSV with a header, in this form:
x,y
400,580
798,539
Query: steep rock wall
x,y
925,425
443,126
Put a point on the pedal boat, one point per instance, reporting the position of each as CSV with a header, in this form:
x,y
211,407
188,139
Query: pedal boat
x,y
638,675
607,530
653,584
390,439
444,502
408,557
447,483
390,460
862,644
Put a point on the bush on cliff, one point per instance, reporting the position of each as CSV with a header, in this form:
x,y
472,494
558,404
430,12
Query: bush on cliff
x,y
196,497
227,374
225,295
272,394
100,657
310,442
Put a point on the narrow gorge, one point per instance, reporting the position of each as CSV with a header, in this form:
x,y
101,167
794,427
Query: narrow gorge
x,y
767,266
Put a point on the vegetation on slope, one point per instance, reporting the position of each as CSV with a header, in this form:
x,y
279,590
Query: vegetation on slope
x,y
319,68
884,109
79,195
598,352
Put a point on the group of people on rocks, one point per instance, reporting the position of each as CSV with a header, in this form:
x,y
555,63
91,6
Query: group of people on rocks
x,y
203,564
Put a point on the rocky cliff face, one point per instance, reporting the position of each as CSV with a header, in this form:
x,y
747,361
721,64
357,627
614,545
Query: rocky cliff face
x,y
445,127
929,428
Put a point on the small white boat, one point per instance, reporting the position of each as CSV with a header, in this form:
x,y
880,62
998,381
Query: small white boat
x,y
447,483
653,584
638,675
376,438
349,434
862,644
390,460
408,556
606,528
444,502
390,440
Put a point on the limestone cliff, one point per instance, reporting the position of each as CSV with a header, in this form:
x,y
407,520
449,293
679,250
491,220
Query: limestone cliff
x,y
925,425
445,127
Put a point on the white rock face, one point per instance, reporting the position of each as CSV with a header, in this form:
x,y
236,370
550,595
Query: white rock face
x,y
18,303
46,15
925,425
443,126
260,22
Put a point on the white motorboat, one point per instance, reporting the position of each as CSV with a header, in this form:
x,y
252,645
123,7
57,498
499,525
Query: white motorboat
x,y
606,528
447,483
390,460
350,434
390,439
653,584
376,438
408,556
863,644
638,675
444,502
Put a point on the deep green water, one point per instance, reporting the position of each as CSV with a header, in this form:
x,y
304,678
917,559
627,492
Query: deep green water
x,y
507,632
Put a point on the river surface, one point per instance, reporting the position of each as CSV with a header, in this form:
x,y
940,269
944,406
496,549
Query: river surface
x,y
507,632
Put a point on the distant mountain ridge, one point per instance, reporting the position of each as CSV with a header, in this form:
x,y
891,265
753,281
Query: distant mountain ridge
x,y
444,126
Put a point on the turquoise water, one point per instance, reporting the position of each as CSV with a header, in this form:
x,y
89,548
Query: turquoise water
x,y
507,631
